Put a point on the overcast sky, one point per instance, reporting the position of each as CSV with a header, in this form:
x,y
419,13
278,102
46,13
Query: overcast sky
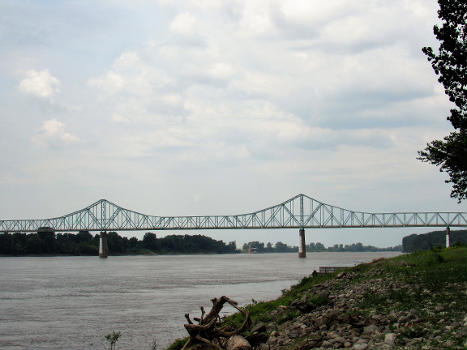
x,y
220,107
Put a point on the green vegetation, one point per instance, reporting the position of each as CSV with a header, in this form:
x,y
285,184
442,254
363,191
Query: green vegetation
x,y
431,240
264,311
279,247
112,339
431,285
450,154
177,344
46,242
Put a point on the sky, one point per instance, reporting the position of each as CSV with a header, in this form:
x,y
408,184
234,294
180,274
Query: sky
x,y
205,107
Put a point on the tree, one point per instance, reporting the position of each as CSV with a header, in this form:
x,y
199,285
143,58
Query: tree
x,y
150,241
450,64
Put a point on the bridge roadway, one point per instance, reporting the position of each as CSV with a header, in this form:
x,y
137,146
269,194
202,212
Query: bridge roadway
x,y
299,212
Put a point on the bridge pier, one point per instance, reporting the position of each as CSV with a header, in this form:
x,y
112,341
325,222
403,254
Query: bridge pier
x,y
103,247
448,237
301,244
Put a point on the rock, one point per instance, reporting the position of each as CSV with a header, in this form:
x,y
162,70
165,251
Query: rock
x,y
390,338
237,342
293,333
332,315
337,339
321,321
302,305
449,343
360,346
370,329
259,328
257,338
310,343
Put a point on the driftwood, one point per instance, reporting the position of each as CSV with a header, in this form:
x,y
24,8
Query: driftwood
x,y
208,330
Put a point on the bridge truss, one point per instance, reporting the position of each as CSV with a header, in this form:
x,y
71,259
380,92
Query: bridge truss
x,y
300,211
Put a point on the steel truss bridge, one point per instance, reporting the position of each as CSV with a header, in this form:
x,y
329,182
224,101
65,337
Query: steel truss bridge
x,y
300,212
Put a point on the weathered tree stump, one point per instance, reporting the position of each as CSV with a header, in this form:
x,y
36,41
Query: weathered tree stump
x,y
209,331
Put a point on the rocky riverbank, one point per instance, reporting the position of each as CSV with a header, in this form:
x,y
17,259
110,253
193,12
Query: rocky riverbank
x,y
414,301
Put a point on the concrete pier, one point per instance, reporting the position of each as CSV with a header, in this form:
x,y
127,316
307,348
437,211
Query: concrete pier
x,y
301,244
448,237
103,247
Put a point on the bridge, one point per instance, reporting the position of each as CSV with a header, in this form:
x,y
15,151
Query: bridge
x,y
299,212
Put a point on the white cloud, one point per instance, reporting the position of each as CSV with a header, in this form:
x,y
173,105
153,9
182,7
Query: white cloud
x,y
187,29
110,84
183,24
53,133
220,70
256,19
263,95
40,83
118,118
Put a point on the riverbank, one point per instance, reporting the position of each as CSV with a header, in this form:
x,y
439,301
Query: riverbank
x,y
414,301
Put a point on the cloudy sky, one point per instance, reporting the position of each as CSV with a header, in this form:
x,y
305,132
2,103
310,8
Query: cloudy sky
x,y
220,107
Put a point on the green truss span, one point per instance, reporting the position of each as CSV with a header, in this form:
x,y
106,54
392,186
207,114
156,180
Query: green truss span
x,y
300,211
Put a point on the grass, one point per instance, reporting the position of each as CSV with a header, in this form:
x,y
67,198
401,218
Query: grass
x,y
426,272
177,344
266,311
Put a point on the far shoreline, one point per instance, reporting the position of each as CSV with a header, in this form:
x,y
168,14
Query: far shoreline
x,y
183,253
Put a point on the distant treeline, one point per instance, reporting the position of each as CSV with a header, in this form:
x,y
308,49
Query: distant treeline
x,y
279,247
46,242
433,239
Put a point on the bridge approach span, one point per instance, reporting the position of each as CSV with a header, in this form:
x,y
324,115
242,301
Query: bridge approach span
x,y
300,212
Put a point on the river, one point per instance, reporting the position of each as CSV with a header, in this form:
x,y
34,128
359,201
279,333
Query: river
x,y
73,302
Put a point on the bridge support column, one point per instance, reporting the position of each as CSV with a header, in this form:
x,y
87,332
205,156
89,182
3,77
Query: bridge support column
x,y
448,237
103,247
301,244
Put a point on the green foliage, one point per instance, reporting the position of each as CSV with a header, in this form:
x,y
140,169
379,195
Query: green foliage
x,y
258,247
83,243
450,154
279,247
356,247
194,244
150,241
112,339
430,240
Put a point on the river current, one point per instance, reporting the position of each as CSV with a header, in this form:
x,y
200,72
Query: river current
x,y
73,302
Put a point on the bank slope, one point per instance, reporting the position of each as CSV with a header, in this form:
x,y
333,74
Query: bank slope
x,y
414,301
